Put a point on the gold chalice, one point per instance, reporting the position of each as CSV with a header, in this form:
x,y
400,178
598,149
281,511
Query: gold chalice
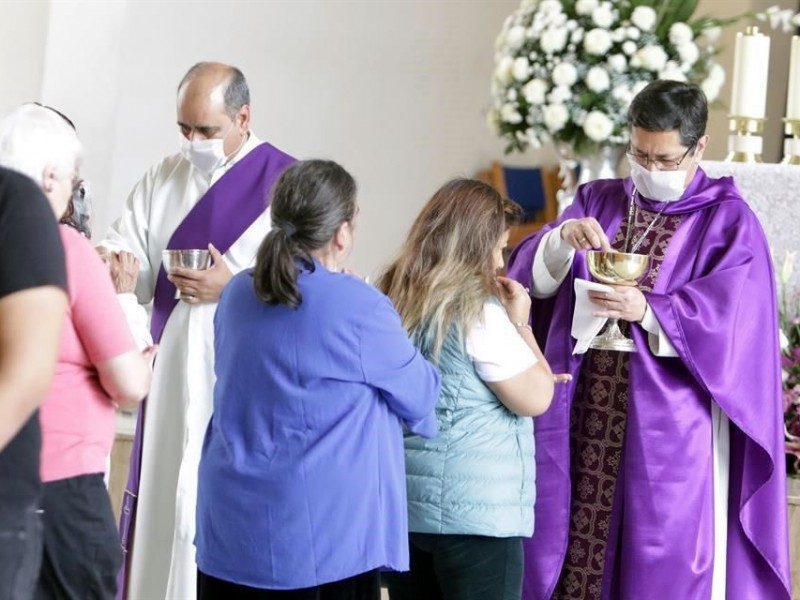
x,y
617,268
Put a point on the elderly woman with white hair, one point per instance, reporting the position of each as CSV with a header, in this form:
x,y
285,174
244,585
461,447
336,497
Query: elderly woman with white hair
x,y
98,367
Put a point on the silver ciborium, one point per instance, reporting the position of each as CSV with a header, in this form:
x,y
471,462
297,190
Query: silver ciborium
x,y
185,259
617,268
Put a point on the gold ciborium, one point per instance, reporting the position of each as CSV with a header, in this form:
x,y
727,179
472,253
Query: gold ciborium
x,y
617,268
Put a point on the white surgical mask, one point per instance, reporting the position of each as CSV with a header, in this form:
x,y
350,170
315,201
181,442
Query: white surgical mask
x,y
661,186
206,155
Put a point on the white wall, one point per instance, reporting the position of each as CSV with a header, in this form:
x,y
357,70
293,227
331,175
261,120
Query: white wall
x,y
23,33
395,91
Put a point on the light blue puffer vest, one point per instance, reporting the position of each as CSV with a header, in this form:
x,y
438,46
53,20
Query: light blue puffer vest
x,y
478,475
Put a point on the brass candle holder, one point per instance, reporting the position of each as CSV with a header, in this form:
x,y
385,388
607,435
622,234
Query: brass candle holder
x,y
791,146
745,143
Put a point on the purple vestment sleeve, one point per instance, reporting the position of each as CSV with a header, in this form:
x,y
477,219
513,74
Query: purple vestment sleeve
x,y
715,300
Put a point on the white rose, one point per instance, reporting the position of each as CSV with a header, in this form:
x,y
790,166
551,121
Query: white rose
x,y
510,114
623,94
521,68
597,126
597,42
577,36
618,35
553,40
672,71
639,86
550,7
586,7
559,95
565,73
633,33
515,37
555,117
711,89
712,34
511,95
689,54
503,70
617,63
603,17
534,91
717,74
629,47
680,33
644,17
597,79
652,58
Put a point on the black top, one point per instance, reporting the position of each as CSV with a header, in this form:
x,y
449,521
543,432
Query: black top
x,y
31,256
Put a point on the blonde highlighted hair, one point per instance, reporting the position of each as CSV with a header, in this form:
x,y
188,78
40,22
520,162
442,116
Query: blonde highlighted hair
x,y
445,273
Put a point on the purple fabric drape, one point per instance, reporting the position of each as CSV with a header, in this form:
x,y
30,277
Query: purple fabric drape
x,y
220,217
715,299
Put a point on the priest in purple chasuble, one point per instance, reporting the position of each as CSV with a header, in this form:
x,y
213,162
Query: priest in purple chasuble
x,y
213,194
660,473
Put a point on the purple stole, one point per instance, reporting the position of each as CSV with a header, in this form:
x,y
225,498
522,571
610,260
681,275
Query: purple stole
x,y
220,217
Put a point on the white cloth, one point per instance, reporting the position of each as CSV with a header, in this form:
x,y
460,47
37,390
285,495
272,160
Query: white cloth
x,y
138,318
552,263
495,347
180,400
585,326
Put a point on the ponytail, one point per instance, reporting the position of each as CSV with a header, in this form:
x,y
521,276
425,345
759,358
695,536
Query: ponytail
x,y
275,273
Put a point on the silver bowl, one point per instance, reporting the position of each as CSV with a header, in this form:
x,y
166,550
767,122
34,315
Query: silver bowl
x,y
185,259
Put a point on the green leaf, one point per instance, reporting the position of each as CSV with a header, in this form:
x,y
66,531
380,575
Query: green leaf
x,y
674,11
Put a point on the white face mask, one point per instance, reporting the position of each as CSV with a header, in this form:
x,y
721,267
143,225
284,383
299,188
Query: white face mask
x,y
206,155
661,186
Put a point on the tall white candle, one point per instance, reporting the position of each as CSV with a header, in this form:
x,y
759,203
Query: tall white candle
x,y
793,95
750,68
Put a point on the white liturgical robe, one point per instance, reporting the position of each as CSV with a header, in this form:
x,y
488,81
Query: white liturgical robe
x,y
180,400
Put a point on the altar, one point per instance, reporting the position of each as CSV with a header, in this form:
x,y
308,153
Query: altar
x,y
773,192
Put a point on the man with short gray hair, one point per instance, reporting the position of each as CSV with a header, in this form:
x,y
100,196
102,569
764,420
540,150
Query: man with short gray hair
x,y
212,195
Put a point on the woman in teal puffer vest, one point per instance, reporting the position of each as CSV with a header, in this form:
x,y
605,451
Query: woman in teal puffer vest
x,y
471,489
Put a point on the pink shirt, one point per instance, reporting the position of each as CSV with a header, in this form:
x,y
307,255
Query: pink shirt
x,y
77,416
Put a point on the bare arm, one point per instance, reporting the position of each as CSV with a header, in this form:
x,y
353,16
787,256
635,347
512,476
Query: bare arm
x,y
126,378
30,334
530,392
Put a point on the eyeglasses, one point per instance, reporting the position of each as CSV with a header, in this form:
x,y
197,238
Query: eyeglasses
x,y
662,164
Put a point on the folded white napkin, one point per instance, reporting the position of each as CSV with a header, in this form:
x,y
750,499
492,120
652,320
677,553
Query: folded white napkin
x,y
585,326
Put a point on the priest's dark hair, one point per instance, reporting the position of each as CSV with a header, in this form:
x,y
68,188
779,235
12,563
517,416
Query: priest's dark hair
x,y
310,201
671,106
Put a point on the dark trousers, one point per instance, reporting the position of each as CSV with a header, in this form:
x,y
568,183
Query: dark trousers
x,y
365,586
459,567
20,553
82,552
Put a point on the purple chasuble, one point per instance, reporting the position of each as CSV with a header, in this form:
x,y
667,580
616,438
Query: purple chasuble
x,y
220,217
715,299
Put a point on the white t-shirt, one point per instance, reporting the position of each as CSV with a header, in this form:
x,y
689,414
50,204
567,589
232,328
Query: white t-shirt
x,y
496,348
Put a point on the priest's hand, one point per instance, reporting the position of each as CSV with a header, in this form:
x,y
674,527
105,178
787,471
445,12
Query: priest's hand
x,y
585,234
205,285
625,302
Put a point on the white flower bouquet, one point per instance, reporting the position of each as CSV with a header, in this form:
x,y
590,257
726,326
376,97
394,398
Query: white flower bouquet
x,y
567,70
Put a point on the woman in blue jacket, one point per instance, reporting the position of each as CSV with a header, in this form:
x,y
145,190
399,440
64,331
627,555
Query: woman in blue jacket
x,y
302,484
471,489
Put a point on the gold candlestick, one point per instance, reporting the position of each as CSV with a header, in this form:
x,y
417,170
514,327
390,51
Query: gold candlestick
x,y
791,146
745,143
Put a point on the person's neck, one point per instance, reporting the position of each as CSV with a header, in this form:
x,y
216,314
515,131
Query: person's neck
x,y
236,152
327,259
